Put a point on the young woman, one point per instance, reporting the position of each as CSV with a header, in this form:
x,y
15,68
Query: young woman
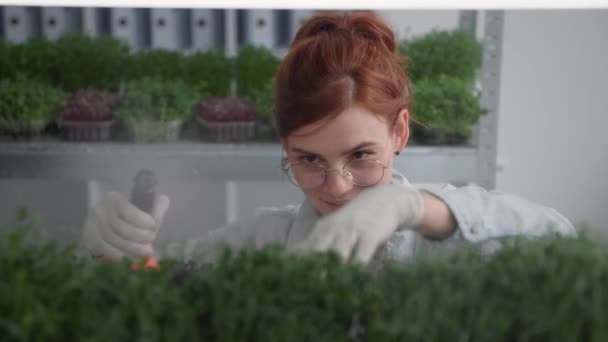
x,y
342,112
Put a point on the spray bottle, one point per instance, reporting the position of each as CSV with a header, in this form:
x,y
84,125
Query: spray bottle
x,y
143,196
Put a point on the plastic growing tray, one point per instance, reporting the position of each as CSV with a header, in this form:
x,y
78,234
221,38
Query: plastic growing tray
x,y
227,131
151,131
85,130
18,130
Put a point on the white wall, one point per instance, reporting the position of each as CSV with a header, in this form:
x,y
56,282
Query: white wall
x,y
553,113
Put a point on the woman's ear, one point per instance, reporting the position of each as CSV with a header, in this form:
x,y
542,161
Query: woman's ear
x,y
401,130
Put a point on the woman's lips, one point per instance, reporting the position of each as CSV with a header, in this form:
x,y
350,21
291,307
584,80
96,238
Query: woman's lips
x,y
335,204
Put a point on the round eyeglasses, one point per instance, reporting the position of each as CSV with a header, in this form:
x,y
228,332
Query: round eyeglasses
x,y
360,172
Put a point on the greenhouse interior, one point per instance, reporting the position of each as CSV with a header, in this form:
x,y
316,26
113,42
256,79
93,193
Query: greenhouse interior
x,y
166,171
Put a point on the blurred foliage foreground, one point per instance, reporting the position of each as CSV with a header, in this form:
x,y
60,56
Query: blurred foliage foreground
x,y
543,290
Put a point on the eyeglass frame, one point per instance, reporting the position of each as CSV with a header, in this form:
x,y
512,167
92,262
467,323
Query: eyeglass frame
x,y
286,165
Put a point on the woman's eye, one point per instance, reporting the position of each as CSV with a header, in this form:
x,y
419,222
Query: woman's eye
x,y
361,154
309,159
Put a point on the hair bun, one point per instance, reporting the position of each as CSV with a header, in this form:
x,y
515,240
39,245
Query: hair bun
x,y
362,24
325,26
317,25
368,25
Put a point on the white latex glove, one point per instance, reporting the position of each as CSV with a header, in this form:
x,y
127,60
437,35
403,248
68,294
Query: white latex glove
x,y
115,228
356,230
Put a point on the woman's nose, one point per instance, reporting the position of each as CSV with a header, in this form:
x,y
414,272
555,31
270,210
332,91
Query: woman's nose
x,y
337,183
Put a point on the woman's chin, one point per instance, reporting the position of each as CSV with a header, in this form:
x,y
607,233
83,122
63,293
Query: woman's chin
x,y
326,208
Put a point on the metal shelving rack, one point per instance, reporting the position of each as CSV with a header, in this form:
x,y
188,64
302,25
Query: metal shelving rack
x,y
207,161
201,29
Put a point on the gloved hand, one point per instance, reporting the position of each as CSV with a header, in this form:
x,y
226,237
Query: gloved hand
x,y
356,230
115,228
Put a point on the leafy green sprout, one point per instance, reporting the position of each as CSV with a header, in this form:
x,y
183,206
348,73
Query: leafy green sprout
x,y
156,100
23,99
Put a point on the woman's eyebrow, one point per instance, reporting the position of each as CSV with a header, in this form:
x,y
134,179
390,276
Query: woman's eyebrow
x,y
302,151
360,146
349,151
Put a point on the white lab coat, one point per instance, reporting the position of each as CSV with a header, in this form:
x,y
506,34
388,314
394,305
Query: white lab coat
x,y
484,219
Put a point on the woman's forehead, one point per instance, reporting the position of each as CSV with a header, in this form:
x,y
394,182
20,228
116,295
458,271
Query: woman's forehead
x,y
351,128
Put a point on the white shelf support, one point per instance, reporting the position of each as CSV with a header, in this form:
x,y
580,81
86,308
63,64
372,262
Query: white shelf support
x,y
490,83
17,24
260,28
54,22
203,33
90,21
163,28
231,37
123,25
232,202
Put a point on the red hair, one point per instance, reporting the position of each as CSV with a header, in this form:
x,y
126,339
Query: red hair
x,y
338,60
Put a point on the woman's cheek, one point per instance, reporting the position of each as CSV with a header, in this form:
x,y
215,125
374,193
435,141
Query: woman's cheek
x,y
311,195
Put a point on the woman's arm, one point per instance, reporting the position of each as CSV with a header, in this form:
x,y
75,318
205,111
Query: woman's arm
x,y
438,222
482,215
